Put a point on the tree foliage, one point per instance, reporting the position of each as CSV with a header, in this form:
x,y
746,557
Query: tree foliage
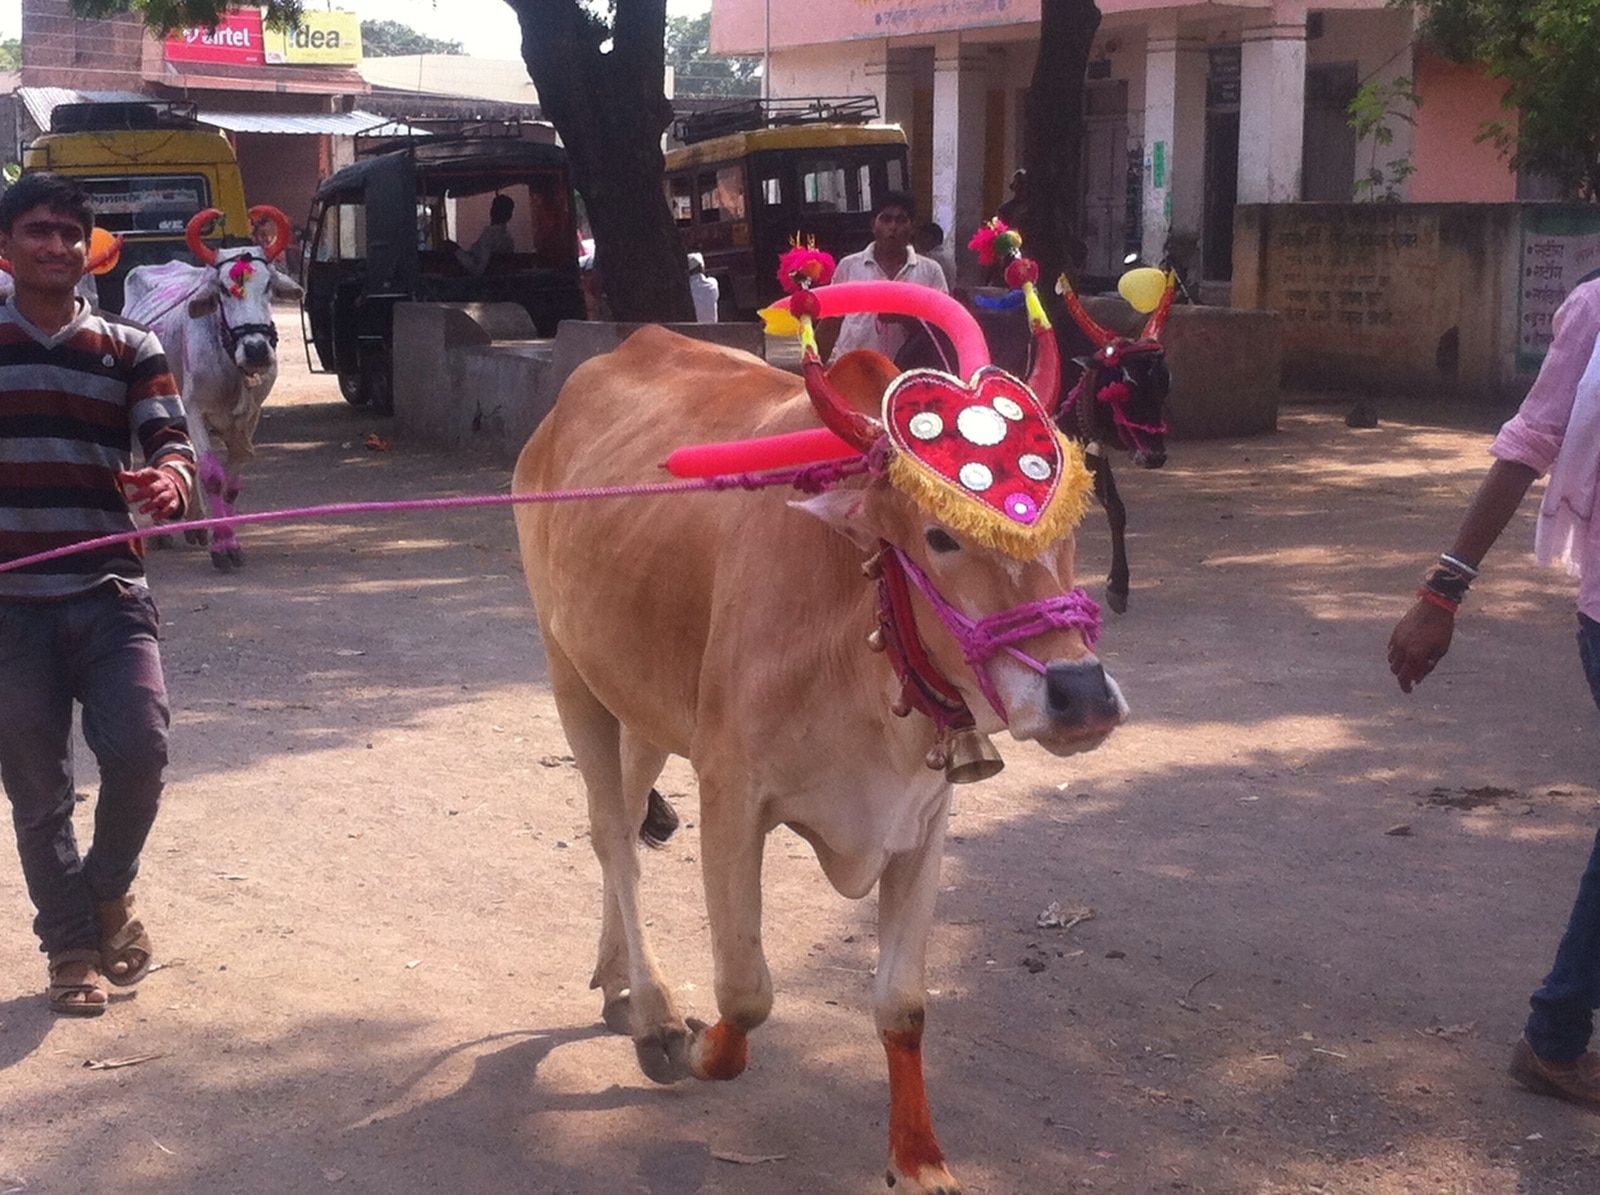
x,y
696,72
163,16
391,39
1548,53
11,54
1052,150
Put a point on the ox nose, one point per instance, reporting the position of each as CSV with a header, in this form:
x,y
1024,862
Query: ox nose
x,y
256,350
1150,458
1081,694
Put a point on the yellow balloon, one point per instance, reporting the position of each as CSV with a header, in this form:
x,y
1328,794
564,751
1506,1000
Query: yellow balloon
x,y
1143,287
779,322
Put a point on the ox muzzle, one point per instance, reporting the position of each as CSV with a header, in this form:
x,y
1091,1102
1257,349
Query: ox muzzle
x,y
1079,693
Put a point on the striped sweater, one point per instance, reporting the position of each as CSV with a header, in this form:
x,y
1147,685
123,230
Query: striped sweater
x,y
71,406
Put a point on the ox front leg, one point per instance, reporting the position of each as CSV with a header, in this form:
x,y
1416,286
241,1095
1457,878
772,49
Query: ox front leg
x,y
731,844
214,482
1105,490
660,1037
906,894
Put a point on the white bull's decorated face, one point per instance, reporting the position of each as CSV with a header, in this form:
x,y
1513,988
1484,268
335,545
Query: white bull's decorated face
x,y
240,288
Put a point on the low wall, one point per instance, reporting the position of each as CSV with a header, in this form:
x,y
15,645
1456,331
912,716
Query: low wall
x,y
476,375
1446,299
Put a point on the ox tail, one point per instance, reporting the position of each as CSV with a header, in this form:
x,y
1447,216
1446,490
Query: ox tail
x,y
660,821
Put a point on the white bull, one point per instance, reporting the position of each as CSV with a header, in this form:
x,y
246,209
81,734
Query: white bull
x,y
215,322
732,629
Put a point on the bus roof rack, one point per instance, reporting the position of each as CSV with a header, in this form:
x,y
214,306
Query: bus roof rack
x,y
747,115
102,115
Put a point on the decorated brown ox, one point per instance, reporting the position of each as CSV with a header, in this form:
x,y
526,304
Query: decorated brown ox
x,y
733,629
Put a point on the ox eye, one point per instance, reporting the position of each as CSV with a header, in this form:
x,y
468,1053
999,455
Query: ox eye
x,y
941,540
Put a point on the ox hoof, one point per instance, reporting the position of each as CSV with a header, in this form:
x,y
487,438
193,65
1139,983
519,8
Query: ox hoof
x,y
618,1014
1117,599
199,538
159,541
933,1180
664,1055
236,558
221,561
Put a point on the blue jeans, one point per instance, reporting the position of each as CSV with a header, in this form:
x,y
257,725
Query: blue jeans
x,y
99,649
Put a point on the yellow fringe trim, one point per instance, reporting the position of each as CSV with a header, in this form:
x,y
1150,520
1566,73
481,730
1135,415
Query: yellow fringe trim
x,y
973,519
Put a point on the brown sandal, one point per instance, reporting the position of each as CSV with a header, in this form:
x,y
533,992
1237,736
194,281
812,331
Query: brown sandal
x,y
125,948
75,989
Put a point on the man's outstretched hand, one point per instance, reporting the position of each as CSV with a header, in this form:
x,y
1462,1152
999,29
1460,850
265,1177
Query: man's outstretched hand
x,y
155,492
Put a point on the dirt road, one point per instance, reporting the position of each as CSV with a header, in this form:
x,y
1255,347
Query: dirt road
x,y
376,907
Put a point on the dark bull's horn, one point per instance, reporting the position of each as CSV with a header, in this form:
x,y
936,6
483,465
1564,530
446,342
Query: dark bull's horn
x,y
1093,330
1158,317
204,253
280,224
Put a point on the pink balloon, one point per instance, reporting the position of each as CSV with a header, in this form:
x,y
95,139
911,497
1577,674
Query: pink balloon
x,y
907,298
764,452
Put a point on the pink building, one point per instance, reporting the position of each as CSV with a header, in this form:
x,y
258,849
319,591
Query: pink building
x,y
1193,107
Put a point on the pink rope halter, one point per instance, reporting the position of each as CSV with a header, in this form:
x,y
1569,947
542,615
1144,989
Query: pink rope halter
x,y
981,639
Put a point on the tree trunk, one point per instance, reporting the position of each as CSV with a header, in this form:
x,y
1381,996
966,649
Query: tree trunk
x,y
1052,148
610,109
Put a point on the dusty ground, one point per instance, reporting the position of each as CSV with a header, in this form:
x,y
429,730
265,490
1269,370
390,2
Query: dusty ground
x,y
376,907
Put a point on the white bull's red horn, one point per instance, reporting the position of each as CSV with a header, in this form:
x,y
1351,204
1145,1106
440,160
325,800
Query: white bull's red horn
x,y
280,224
197,223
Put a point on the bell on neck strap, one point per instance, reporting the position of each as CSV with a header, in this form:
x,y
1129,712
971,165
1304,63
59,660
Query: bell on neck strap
x,y
968,757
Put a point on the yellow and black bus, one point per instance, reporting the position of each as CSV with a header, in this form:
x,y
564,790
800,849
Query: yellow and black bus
x,y
741,196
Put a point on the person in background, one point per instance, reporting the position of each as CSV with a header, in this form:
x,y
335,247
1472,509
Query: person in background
x,y
1557,429
929,242
494,239
704,290
78,389
889,257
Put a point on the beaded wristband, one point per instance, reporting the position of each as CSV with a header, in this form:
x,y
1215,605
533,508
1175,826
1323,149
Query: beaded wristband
x,y
1438,599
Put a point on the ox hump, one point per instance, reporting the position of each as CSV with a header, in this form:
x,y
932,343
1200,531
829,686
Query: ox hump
x,y
152,290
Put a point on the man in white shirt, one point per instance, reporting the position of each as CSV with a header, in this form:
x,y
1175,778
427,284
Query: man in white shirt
x,y
705,290
890,257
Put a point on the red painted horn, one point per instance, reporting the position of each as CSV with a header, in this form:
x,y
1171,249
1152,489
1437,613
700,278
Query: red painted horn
x,y
191,234
838,416
280,222
1045,378
1101,336
1158,317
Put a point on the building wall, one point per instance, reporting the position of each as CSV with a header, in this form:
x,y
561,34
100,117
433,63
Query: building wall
x,y
1451,164
1453,299
282,169
62,50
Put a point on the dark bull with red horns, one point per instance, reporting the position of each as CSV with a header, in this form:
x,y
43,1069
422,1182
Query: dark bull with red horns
x,y
215,322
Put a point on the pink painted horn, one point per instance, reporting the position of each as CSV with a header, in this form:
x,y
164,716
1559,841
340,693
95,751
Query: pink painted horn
x,y
280,222
191,234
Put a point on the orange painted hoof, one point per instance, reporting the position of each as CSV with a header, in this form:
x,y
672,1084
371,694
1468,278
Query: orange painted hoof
x,y
720,1052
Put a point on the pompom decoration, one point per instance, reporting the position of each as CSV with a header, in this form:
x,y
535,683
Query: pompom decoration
x,y
995,240
1116,392
803,267
238,274
805,305
1021,270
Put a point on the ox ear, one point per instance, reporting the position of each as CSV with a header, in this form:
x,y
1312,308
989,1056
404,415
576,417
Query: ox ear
x,y
845,511
284,287
204,303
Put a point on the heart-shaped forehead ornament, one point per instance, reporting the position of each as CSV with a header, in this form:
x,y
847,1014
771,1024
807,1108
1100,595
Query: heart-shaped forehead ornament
x,y
984,458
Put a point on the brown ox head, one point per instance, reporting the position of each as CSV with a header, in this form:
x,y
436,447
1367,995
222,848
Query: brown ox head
x,y
992,613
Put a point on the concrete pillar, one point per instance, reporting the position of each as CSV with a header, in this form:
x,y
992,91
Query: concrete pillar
x,y
960,87
1174,135
1272,103
891,79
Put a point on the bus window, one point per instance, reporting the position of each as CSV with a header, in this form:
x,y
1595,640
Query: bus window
x,y
679,199
864,188
722,195
897,174
822,188
771,190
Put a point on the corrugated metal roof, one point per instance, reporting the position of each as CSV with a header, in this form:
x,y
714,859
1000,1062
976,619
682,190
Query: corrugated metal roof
x,y
42,101
348,123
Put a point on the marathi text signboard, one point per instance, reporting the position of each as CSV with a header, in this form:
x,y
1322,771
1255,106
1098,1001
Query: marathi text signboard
x,y
236,40
1559,248
321,38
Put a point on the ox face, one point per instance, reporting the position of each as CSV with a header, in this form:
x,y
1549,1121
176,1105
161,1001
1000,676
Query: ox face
x,y
240,289
1130,383
1070,703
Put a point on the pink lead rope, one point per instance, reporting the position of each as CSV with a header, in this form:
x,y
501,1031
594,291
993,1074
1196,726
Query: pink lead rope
x,y
809,479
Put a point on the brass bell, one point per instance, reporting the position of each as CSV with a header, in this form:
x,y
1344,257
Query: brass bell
x,y
971,756
872,566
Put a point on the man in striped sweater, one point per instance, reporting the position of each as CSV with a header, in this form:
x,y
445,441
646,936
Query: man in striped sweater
x,y
76,390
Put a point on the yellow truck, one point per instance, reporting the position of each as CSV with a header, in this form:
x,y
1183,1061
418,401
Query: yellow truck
x,y
149,167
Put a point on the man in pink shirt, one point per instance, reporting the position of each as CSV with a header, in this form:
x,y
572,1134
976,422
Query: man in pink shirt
x,y
1556,430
